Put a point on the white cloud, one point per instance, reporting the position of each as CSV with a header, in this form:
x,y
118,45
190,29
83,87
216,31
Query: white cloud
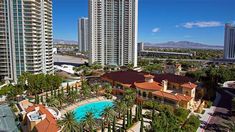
x,y
202,24
155,30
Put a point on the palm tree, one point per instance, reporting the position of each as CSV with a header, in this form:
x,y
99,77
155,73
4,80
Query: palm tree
x,y
61,99
142,125
120,107
53,102
89,121
108,114
69,123
108,90
72,96
96,88
129,97
85,89
114,124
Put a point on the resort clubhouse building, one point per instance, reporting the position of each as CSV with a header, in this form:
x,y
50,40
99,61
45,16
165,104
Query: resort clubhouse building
x,y
165,88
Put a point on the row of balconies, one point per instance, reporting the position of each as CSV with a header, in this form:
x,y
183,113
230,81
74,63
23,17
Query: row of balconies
x,y
34,70
32,24
29,20
30,3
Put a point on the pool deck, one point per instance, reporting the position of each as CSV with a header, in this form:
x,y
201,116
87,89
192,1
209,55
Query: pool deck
x,y
75,105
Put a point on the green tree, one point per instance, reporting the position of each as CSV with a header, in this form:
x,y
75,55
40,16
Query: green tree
x,y
129,97
69,123
72,96
22,80
142,125
191,124
108,114
114,124
53,102
181,114
89,121
85,89
108,90
120,107
61,98
96,66
96,88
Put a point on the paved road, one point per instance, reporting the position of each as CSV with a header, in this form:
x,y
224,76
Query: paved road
x,y
69,59
221,116
193,60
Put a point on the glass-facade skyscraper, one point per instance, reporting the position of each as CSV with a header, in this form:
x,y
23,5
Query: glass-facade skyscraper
x,y
83,34
229,42
25,37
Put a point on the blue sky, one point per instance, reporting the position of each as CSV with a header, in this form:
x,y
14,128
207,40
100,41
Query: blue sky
x,y
159,20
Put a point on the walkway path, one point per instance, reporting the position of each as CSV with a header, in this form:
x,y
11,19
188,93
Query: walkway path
x,y
206,117
222,116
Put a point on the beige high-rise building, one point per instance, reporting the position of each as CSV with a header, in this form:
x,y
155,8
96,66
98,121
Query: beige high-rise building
x,y
113,32
25,37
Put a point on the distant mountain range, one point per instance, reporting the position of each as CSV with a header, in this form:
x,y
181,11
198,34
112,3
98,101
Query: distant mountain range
x,y
183,44
170,44
61,41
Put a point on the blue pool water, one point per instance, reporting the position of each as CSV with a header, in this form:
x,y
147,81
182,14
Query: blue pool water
x,y
96,108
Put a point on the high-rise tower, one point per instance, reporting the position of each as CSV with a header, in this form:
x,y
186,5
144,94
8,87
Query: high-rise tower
x,y
113,32
25,37
229,41
83,34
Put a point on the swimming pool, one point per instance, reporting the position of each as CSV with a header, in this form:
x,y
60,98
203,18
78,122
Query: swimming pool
x,y
96,108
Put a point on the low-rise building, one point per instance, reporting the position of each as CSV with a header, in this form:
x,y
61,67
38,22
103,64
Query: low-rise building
x,y
7,119
172,68
38,118
165,88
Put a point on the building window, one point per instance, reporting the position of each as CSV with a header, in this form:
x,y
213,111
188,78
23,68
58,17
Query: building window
x,y
155,97
186,93
139,92
144,94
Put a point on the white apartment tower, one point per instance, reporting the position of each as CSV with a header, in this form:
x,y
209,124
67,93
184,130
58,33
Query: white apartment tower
x,y
25,37
83,34
229,41
113,32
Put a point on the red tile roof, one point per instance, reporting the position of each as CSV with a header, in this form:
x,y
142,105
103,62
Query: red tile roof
x,y
129,77
125,77
173,78
189,85
166,95
171,96
48,124
184,97
148,85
